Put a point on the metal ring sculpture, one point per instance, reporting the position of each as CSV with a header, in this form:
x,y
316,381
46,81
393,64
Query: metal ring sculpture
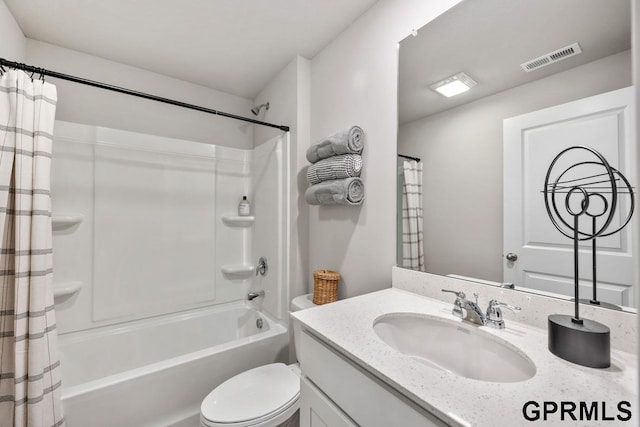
x,y
585,187
590,187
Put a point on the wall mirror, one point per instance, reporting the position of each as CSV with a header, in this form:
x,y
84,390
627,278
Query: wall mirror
x,y
547,75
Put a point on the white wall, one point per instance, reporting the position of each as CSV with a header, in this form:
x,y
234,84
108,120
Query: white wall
x,y
464,145
354,81
281,94
289,95
13,44
87,105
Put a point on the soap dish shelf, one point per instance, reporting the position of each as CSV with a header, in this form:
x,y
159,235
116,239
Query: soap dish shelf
x,y
60,222
67,289
238,271
238,221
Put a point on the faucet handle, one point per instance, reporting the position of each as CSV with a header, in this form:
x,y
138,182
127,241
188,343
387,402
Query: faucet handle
x,y
494,313
457,304
262,267
459,294
495,303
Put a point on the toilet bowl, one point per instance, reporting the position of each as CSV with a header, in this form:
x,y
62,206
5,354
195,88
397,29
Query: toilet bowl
x,y
266,396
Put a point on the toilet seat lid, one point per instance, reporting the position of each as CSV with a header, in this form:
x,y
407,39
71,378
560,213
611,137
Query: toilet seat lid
x,y
252,394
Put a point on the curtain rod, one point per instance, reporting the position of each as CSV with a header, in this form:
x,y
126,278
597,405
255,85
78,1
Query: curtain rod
x,y
417,159
44,72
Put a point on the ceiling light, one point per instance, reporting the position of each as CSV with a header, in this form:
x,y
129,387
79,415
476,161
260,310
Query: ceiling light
x,y
454,85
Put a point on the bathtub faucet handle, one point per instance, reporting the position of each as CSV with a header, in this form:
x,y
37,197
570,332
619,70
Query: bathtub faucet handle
x,y
262,267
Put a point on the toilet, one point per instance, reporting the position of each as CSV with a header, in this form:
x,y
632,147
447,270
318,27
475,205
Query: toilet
x,y
266,396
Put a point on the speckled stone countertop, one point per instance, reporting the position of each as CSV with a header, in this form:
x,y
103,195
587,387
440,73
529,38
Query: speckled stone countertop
x,y
347,326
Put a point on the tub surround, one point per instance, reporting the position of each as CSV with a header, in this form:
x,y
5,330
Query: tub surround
x,y
347,328
127,207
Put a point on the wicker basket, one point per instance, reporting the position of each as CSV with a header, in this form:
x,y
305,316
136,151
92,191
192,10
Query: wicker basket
x,y
325,286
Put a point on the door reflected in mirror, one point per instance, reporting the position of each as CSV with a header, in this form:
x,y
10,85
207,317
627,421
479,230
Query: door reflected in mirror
x,y
548,75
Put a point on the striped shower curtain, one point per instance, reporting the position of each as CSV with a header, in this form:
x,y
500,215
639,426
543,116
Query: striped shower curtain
x,y
412,241
29,365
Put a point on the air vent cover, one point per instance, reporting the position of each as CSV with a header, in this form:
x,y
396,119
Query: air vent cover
x,y
550,58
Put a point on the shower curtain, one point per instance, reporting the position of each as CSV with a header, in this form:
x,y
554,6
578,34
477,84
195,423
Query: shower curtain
x,y
29,365
412,241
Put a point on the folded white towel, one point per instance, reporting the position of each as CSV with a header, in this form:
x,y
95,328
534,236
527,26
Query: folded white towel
x,y
348,141
336,167
348,191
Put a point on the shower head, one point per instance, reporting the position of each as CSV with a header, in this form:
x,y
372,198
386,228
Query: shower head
x,y
256,110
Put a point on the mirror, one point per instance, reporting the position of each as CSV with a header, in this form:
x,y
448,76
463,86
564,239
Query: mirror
x,y
511,122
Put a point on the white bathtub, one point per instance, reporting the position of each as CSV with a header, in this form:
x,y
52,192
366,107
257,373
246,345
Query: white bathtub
x,y
156,372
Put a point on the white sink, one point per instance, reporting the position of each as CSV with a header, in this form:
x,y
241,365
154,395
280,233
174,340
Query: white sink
x,y
455,347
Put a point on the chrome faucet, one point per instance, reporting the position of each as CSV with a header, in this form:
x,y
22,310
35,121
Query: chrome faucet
x,y
465,309
262,267
470,311
253,295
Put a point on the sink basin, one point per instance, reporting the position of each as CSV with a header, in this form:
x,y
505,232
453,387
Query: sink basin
x,y
454,347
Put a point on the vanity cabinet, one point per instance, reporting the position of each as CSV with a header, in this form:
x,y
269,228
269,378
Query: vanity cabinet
x,y
336,392
316,410
350,363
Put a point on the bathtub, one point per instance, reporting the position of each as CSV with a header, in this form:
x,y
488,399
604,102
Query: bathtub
x,y
155,372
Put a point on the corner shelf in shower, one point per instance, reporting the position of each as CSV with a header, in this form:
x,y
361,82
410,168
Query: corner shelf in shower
x,y
237,271
60,222
66,289
238,221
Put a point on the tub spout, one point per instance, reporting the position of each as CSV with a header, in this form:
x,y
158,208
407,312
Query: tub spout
x,y
253,295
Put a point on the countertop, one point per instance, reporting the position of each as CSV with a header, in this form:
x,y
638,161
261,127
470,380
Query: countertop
x,y
347,327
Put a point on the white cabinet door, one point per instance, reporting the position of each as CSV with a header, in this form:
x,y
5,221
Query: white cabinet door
x,y
545,256
367,400
316,410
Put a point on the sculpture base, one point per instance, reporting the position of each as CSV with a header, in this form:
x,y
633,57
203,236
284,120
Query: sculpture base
x,y
586,344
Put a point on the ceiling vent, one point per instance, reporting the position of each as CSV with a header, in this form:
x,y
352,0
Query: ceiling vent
x,y
550,58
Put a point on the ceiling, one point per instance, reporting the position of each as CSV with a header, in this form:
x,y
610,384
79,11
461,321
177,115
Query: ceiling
x,y
489,39
236,46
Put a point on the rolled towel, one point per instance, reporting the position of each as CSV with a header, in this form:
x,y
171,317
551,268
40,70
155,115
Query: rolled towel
x,y
337,167
348,141
348,191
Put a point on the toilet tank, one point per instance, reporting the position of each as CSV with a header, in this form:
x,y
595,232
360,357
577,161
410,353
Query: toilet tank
x,y
301,302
